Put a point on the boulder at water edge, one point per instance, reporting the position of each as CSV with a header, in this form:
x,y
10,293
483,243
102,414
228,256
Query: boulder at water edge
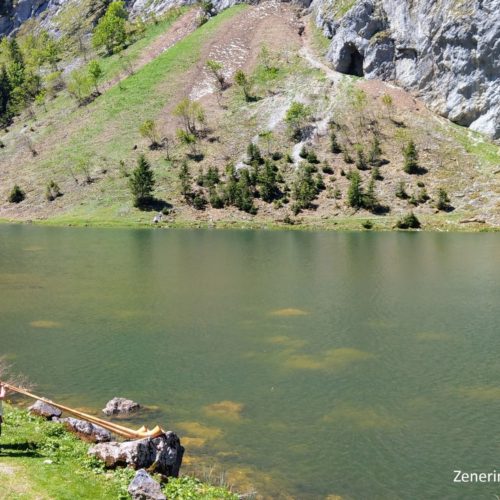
x,y
85,430
164,451
144,487
120,406
44,410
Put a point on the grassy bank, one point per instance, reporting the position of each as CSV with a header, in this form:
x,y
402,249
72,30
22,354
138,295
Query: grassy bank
x,y
40,459
438,223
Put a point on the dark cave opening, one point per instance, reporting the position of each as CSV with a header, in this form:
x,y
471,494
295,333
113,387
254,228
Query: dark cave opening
x,y
355,65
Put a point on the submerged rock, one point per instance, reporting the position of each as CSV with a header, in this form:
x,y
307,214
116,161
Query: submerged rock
x,y
144,487
164,453
44,410
86,430
120,406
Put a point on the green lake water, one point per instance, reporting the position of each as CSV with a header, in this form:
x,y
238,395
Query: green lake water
x,y
303,364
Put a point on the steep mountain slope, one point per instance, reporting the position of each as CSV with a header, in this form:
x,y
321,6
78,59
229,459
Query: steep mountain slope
x,y
90,150
447,50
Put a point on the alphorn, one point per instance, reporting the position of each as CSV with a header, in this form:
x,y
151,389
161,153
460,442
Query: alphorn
x,y
120,430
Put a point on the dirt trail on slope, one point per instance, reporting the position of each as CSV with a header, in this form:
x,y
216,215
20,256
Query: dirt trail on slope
x,y
271,23
180,28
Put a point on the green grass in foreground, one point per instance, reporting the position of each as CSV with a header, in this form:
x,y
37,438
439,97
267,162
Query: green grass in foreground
x,y
40,459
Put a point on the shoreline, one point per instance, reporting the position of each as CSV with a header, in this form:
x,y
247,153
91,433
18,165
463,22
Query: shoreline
x,y
346,224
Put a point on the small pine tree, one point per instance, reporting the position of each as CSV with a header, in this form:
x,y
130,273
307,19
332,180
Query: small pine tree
x,y
305,188
369,198
422,195
17,195
320,183
388,103
199,201
347,157
312,158
53,191
5,97
408,221
355,191
242,81
375,152
376,176
326,169
211,178
360,159
401,191
334,145
268,186
216,68
142,182
186,180
244,195
410,154
253,155
231,186
216,201
442,200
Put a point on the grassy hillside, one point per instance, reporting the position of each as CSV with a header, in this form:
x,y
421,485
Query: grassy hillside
x,y
101,140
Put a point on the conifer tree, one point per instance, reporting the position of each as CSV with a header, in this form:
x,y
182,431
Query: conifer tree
x,y
268,186
375,152
355,191
244,195
369,198
410,155
334,144
142,182
5,89
186,180
305,188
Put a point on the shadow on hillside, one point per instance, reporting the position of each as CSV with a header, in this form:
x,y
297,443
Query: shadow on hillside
x,y
420,171
156,205
27,449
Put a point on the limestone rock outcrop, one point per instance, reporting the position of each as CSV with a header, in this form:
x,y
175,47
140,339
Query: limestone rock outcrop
x,y
144,487
165,452
44,410
446,51
85,430
120,406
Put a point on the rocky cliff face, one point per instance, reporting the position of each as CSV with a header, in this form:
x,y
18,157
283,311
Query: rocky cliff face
x,y
446,50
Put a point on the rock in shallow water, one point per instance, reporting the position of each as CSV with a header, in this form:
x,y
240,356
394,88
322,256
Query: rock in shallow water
x,y
165,452
120,406
144,487
44,410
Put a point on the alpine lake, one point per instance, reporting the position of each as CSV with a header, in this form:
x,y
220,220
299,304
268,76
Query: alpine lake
x,y
294,364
